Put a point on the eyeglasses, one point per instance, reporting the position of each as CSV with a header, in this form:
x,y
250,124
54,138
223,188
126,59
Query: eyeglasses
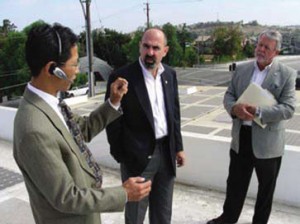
x,y
75,65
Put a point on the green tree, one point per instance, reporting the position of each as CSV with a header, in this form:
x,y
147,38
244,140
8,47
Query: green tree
x,y
131,49
80,80
190,57
175,54
13,67
7,27
108,45
34,24
14,72
227,42
248,50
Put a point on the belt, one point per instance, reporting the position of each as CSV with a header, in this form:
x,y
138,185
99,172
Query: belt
x,y
161,140
247,127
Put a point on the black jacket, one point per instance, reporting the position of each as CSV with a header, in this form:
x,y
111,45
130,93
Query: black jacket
x,y
132,136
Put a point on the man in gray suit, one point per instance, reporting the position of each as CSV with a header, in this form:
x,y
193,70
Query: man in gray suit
x,y
252,146
61,183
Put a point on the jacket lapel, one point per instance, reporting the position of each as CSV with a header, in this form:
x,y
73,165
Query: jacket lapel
x,y
58,124
248,75
269,80
166,84
142,93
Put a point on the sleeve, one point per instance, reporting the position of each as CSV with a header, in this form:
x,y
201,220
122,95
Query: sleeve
x,y
42,162
230,96
114,129
286,99
98,119
177,126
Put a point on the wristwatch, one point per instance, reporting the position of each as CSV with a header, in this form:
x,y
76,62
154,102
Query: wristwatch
x,y
257,112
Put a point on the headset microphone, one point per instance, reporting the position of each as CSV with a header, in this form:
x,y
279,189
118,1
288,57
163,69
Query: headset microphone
x,y
54,70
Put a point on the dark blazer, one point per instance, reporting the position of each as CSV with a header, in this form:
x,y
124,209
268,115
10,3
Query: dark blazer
x,y
57,176
132,136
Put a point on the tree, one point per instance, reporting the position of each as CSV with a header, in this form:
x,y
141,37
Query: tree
x,y
227,42
190,57
13,67
7,27
183,37
248,50
175,54
34,24
108,45
14,71
132,48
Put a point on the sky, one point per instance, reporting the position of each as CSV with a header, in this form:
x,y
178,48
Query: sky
x,y
127,15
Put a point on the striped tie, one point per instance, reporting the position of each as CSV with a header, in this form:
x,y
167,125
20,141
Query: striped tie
x,y
77,135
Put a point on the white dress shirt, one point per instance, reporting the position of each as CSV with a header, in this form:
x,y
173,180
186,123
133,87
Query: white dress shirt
x,y
156,96
258,77
51,100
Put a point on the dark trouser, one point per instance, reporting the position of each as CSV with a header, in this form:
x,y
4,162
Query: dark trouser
x,y
159,170
240,172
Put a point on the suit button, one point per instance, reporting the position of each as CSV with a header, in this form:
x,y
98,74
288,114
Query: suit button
x,y
149,157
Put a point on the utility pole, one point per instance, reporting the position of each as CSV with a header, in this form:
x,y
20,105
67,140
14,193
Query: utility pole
x,y
89,47
147,12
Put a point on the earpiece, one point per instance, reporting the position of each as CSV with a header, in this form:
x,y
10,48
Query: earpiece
x,y
59,73
54,70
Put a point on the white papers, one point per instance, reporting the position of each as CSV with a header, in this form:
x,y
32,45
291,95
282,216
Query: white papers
x,y
257,96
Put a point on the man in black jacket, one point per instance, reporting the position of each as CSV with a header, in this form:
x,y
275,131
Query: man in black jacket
x,y
147,140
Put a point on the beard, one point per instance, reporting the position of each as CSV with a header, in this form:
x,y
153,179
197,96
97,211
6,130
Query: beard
x,y
149,62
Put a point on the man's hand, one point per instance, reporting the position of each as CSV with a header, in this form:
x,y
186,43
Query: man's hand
x,y
137,188
117,90
244,112
180,158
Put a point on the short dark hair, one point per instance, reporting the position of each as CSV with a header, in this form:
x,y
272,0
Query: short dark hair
x,y
43,45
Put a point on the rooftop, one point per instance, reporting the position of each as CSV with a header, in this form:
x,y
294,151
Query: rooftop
x,y
192,205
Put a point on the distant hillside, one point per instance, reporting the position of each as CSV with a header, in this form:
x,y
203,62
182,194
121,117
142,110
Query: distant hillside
x,y
249,29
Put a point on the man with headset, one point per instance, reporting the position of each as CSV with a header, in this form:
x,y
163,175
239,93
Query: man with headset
x,y
62,181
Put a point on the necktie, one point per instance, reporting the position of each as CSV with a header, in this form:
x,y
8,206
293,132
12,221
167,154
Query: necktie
x,y
78,137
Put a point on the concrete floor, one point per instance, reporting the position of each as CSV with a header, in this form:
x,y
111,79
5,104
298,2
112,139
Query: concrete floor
x,y
191,205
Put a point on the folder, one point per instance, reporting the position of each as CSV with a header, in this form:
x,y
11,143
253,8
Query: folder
x,y
257,96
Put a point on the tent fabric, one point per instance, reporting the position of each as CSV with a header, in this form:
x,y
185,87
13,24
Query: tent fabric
x,y
100,68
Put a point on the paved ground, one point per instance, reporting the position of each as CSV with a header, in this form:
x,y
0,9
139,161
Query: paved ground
x,y
191,205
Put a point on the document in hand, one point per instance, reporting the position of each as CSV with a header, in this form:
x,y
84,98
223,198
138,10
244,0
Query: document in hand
x,y
257,96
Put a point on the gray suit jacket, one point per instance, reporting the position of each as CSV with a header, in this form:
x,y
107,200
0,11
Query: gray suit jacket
x,y
58,178
280,81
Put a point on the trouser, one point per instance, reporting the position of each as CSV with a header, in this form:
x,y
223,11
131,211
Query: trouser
x,y
160,199
240,172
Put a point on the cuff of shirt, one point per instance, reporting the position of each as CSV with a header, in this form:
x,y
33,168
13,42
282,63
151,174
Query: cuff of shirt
x,y
114,106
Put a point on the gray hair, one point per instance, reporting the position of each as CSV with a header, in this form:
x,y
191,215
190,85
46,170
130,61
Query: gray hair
x,y
273,35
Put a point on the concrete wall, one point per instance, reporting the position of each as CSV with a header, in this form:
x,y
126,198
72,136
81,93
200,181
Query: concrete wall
x,y
207,161
7,116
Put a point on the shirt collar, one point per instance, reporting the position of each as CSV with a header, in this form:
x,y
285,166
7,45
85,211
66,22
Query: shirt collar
x,y
50,99
161,69
267,68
